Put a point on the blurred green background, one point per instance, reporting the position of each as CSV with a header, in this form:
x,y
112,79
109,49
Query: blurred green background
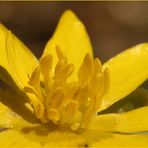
x,y
112,26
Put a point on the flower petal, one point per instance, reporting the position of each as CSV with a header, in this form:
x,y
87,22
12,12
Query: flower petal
x,y
132,121
65,139
9,119
39,136
93,136
13,111
128,70
120,141
14,139
138,98
15,58
72,38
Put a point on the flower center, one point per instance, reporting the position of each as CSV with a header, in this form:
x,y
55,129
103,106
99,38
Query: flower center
x,y
55,99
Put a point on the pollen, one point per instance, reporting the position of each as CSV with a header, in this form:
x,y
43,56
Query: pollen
x,y
55,99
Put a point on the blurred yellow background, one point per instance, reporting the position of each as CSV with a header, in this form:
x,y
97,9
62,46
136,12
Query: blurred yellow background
x,y
112,26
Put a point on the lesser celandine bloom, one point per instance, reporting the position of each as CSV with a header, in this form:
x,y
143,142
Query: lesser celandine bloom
x,y
53,101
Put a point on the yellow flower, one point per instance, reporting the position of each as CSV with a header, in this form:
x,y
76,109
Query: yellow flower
x,y
53,101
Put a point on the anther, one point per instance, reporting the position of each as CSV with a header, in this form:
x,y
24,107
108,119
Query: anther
x,y
75,126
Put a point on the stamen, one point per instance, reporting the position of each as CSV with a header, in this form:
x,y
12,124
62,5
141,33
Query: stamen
x,y
86,70
81,94
35,82
38,106
46,66
69,111
97,66
97,85
55,99
59,53
62,71
106,80
33,90
53,115
28,105
75,126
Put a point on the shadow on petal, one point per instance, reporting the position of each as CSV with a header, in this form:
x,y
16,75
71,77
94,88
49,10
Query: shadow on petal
x,y
41,129
137,99
13,97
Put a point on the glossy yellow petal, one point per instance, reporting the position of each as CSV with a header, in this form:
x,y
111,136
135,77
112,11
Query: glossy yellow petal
x,y
16,60
122,141
103,123
14,139
72,38
9,119
136,120
39,136
128,70
138,98
133,121
64,139
93,136
13,110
